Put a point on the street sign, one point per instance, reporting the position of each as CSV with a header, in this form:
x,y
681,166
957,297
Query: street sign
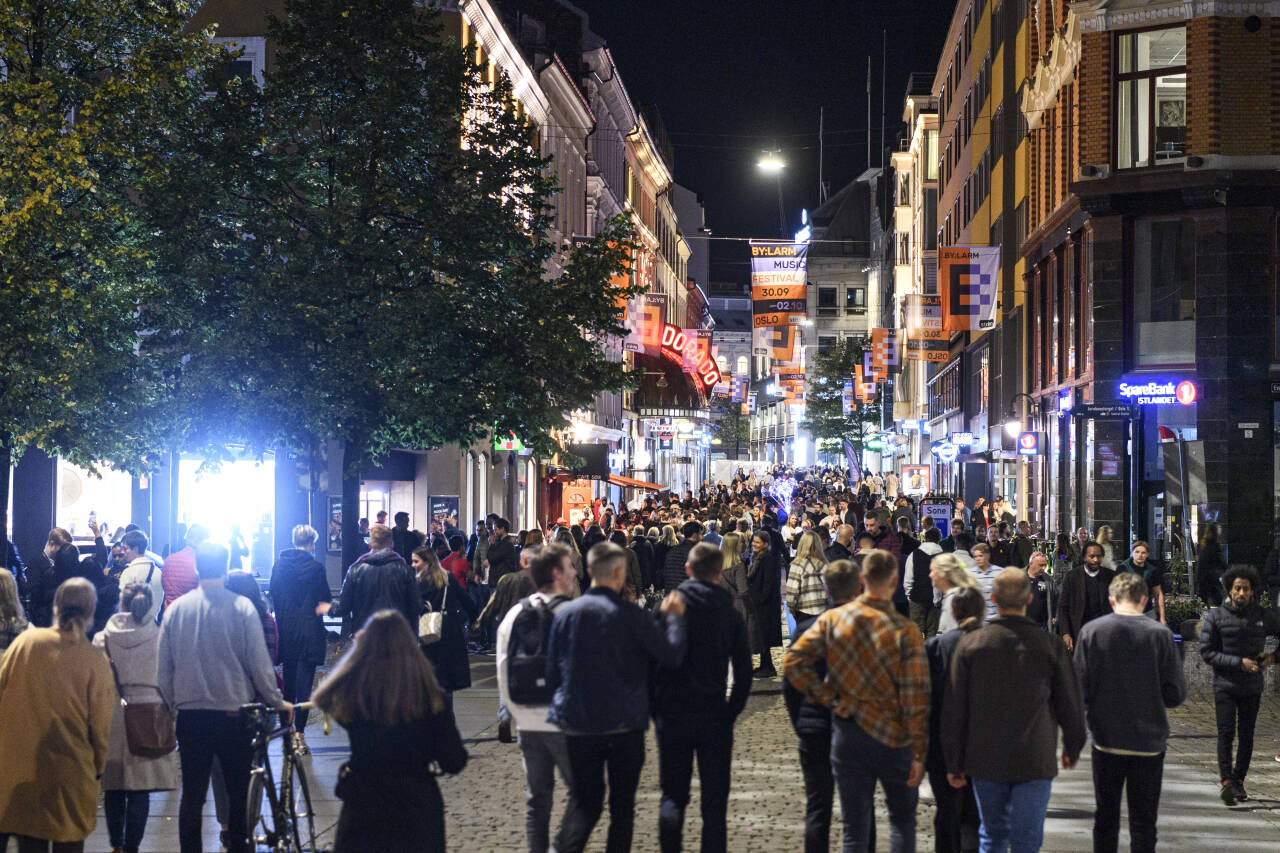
x,y
1104,411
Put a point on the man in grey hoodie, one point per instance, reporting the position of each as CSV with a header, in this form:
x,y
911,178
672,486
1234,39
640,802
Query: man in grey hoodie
x,y
1130,672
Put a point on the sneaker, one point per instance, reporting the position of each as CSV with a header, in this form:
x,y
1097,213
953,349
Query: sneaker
x,y
300,745
1241,793
504,732
1228,793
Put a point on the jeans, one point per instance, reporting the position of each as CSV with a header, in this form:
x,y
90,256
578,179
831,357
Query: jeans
x,y
1140,777
542,752
201,736
623,754
680,739
955,817
298,678
126,813
858,761
1012,814
1231,707
819,788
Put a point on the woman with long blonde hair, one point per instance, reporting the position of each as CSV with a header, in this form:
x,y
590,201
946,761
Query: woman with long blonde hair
x,y
806,588
385,694
735,580
12,622
949,576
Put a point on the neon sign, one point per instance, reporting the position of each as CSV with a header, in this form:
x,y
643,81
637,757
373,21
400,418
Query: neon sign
x,y
1159,392
676,345
1029,444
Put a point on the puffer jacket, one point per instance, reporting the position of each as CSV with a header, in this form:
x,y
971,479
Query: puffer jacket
x,y
379,581
1228,636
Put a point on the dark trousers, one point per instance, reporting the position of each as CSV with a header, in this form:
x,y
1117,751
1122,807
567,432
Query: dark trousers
x,y
590,756
859,761
1235,712
680,740
126,813
1139,776
201,736
27,844
955,816
819,789
298,678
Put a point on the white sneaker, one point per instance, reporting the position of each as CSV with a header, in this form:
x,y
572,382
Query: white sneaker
x,y
300,744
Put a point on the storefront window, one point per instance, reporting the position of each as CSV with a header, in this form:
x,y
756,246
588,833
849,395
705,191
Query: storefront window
x,y
107,499
1151,98
1164,291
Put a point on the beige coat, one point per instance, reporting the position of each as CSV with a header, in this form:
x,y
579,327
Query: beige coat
x,y
56,701
133,651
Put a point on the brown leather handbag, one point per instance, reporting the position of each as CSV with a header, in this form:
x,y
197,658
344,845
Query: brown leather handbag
x,y
148,726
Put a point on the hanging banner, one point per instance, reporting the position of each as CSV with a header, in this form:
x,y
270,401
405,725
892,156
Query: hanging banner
x,y
968,276
760,339
934,349
751,403
778,282
923,312
739,389
884,347
846,399
649,322
782,342
697,349
871,372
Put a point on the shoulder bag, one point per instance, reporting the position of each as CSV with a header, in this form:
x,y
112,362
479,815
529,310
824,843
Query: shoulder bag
x,y
431,623
148,726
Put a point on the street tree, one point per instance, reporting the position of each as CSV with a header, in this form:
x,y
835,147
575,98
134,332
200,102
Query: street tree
x,y
732,427
92,92
394,283
824,409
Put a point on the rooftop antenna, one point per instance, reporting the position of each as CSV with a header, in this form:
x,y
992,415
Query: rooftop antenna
x,y
822,186
884,51
868,111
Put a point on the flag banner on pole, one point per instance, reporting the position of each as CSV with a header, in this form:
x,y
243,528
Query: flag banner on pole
x,y
653,317
739,389
924,311
760,339
697,350
968,276
851,455
846,399
778,282
782,342
633,321
884,345
930,345
869,370
751,402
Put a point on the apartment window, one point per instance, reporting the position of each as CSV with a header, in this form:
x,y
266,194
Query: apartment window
x,y
931,155
1164,291
1151,98
855,300
930,219
826,343
251,64
826,302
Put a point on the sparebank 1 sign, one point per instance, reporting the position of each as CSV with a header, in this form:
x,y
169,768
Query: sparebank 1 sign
x,y
1158,391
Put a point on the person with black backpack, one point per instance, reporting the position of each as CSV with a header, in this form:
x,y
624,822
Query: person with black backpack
x,y
523,686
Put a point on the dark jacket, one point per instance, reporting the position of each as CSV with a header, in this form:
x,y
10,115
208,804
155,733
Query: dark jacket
x,y
598,659
938,649
837,552
644,554
1044,600
921,584
807,718
449,654
390,800
380,580
1209,568
673,573
1010,688
66,565
298,584
405,542
1020,550
1071,600
765,580
1129,672
1228,635
503,558
697,686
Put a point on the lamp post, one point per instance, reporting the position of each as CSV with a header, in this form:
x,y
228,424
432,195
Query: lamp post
x,y
1013,426
771,162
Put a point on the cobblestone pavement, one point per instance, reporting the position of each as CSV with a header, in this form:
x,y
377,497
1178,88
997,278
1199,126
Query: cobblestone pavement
x,y
485,803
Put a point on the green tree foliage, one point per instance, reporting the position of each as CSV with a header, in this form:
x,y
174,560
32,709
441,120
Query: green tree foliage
x,y
92,92
824,411
377,269
732,428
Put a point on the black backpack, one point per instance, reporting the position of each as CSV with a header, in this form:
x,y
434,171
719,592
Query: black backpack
x,y
527,653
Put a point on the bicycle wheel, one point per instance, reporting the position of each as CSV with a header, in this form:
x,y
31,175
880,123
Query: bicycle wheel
x,y
302,818
257,824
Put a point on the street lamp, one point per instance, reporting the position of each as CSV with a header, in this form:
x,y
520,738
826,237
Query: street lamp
x,y
771,163
1013,423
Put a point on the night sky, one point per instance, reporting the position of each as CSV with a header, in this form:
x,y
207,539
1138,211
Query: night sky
x,y
733,79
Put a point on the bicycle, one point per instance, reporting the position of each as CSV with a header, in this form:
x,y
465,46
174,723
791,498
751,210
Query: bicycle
x,y
287,825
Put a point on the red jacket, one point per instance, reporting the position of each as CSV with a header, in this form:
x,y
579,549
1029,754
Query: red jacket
x,y
178,574
458,566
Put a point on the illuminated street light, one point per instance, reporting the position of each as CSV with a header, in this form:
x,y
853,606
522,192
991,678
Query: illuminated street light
x,y
771,162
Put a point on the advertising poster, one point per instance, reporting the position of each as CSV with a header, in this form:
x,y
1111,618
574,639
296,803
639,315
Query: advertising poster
x,y
884,350
940,512
846,399
444,509
967,280
739,388
334,537
575,501
915,480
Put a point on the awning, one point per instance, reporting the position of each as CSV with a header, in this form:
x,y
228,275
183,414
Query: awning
x,y
630,483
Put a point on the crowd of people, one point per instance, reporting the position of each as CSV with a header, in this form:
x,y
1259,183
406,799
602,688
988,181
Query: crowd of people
x,y
961,658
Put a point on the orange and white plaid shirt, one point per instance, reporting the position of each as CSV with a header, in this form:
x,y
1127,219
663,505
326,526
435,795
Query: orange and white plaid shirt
x,y
877,672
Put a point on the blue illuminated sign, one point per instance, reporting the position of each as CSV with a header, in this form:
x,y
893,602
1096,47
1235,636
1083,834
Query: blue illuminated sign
x,y
1029,444
945,451
1158,391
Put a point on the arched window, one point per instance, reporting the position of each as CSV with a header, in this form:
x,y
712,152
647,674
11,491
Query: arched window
x,y
741,368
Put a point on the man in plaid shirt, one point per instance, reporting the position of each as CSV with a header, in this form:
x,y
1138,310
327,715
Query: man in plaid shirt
x,y
878,688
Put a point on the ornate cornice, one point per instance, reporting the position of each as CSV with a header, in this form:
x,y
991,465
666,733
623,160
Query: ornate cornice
x,y
1052,71
1098,16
